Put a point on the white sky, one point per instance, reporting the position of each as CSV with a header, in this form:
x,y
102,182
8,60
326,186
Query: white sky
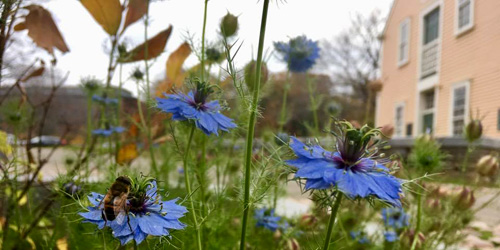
x,y
317,19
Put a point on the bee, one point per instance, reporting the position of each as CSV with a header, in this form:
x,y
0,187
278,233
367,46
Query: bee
x,y
115,201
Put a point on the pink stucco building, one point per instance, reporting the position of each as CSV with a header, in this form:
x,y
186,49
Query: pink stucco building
x,y
440,64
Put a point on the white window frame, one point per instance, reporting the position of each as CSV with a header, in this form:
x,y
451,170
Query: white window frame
x,y
419,111
455,86
458,30
432,80
399,105
405,60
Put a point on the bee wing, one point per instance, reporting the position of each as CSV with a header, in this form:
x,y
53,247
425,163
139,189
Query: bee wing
x,y
120,205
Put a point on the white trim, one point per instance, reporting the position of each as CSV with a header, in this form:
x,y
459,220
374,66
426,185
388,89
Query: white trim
x,y
399,105
418,111
404,61
438,4
454,86
377,109
459,31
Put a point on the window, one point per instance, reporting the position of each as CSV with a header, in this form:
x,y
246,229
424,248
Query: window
x,y
428,112
459,108
464,15
399,120
404,42
431,26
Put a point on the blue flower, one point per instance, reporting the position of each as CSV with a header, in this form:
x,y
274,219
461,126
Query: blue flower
x,y
391,236
265,218
359,237
395,218
195,107
104,100
352,169
108,132
147,215
299,53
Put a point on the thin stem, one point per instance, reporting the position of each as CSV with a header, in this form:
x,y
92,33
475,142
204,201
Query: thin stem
x,y
188,186
251,126
419,220
283,103
331,222
203,42
148,92
313,104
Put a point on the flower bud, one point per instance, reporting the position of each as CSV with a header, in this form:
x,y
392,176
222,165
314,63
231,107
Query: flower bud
x,y
432,206
333,108
213,55
487,166
409,236
387,130
137,75
250,73
71,189
282,139
229,25
308,221
474,130
292,244
465,199
277,234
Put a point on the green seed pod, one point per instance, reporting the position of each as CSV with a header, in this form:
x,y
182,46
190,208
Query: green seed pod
x,y
250,71
487,166
474,130
465,199
213,55
229,25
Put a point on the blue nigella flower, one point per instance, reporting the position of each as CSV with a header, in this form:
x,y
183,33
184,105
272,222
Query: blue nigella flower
x,y
359,237
147,215
108,132
195,107
104,100
265,218
391,236
352,169
395,218
299,53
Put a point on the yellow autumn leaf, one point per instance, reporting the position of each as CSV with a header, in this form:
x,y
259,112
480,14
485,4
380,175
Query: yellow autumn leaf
x,y
23,199
62,244
5,148
127,153
108,13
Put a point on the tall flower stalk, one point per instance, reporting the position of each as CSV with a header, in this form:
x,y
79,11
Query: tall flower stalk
x,y
251,125
331,222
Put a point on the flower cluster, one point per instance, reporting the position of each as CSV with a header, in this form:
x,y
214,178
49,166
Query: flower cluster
x,y
353,169
265,218
299,53
395,219
360,237
195,107
144,213
105,100
108,132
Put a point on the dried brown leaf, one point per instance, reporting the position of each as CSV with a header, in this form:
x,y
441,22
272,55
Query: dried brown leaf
x,y
43,30
155,46
135,10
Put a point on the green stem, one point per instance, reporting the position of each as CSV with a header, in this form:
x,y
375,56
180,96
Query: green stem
x,y
470,148
148,92
203,42
313,104
251,126
286,87
188,187
333,215
419,220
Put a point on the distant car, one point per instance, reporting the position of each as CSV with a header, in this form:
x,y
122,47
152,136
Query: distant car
x,y
47,140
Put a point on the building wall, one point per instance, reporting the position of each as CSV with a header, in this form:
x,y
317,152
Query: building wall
x,y
473,56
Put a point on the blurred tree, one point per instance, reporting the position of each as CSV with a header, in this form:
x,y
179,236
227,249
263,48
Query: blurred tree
x,y
353,56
